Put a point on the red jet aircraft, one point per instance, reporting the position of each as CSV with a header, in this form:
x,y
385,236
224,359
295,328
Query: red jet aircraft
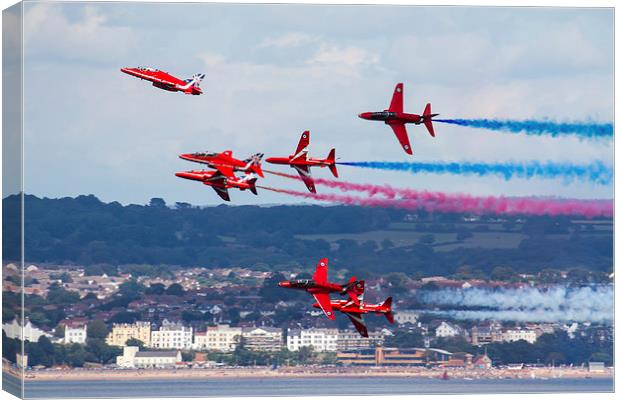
x,y
355,312
302,163
320,288
396,118
225,163
164,80
221,183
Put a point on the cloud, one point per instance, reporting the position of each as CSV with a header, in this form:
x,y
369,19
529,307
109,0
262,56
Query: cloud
x,y
543,48
290,39
329,54
49,34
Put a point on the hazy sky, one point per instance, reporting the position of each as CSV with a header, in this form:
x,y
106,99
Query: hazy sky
x,y
274,71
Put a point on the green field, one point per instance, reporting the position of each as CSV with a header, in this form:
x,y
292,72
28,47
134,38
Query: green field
x,y
443,241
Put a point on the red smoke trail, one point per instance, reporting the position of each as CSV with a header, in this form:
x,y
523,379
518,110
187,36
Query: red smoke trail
x,y
443,202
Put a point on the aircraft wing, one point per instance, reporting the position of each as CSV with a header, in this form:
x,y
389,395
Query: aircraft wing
x,y
304,173
222,192
325,303
304,141
397,99
358,322
165,77
226,170
320,274
401,134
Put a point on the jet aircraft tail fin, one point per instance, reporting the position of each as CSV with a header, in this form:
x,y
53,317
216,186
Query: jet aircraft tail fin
x,y
251,181
427,118
331,160
193,82
254,164
388,313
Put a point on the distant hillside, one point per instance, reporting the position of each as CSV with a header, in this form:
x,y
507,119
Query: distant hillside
x,y
86,231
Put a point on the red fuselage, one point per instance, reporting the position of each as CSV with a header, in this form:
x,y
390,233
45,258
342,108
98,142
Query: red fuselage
x,y
311,286
392,117
164,80
213,159
208,178
291,160
346,306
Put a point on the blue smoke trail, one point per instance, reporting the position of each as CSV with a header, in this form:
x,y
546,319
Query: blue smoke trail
x,y
533,127
596,172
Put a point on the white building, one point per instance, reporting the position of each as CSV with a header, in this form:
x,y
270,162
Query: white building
x,y
350,339
446,329
321,340
513,335
75,334
28,332
262,339
405,317
133,358
220,338
172,335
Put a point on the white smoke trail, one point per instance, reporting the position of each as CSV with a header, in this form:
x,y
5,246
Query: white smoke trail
x,y
556,304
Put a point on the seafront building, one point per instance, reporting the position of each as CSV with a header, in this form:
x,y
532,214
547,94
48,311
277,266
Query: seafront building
x,y
220,338
172,335
321,340
262,338
351,340
390,356
134,358
121,333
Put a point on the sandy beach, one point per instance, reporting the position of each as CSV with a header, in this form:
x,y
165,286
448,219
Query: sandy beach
x,y
309,372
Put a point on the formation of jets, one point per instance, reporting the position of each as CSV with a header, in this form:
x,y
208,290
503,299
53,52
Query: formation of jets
x,y
353,306
223,176
226,163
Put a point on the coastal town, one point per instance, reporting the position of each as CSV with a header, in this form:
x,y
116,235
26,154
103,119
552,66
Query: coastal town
x,y
119,320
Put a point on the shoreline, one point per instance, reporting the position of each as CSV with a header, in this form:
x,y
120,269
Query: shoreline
x,y
543,373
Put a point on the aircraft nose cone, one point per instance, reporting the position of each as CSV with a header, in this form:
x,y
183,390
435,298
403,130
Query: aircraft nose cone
x,y
184,175
285,284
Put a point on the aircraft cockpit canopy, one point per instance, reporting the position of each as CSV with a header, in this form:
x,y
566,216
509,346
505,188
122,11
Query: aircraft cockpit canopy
x,y
150,69
204,154
303,283
383,115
